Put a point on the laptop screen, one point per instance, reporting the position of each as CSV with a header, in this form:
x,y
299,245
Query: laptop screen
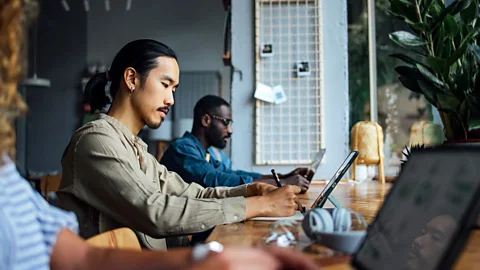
x,y
315,164
420,217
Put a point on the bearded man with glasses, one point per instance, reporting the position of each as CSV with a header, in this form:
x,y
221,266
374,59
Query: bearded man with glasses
x,y
212,127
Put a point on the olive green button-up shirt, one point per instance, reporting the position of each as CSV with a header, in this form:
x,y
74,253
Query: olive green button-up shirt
x,y
110,180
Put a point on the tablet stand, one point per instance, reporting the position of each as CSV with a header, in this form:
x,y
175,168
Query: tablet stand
x,y
334,201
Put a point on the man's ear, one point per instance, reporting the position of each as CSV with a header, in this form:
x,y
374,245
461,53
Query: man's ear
x,y
206,120
130,78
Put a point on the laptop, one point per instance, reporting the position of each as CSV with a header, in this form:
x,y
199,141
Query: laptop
x,y
428,214
315,164
326,192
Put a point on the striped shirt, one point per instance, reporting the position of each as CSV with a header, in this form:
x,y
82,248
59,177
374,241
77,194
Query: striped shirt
x,y
28,224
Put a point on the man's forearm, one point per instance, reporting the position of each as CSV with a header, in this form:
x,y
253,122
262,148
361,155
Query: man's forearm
x,y
106,259
72,252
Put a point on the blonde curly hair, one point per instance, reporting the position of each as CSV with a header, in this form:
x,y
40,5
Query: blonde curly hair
x,y
15,16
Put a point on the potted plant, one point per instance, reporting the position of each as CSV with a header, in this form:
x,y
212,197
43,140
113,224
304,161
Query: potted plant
x,y
443,60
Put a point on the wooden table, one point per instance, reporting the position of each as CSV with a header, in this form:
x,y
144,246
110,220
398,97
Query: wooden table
x,y
365,198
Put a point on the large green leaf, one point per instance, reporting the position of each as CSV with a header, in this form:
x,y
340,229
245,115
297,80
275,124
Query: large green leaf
x,y
426,4
435,8
473,124
476,50
439,37
407,10
405,58
410,84
437,64
451,26
410,72
401,17
429,92
432,78
406,39
460,85
463,46
445,50
452,10
470,13
476,87
419,27
460,5
448,102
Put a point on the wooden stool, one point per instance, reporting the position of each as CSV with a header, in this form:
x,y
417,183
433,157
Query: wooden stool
x,y
123,238
367,139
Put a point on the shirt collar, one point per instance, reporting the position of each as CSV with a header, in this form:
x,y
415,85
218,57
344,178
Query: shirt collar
x,y
197,143
124,129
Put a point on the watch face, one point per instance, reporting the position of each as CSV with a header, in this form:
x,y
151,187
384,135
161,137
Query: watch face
x,y
200,252
215,246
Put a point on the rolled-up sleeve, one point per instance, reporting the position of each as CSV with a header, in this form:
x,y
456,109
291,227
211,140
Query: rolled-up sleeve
x,y
107,180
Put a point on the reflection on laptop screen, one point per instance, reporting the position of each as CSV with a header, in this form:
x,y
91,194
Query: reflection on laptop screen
x,y
420,217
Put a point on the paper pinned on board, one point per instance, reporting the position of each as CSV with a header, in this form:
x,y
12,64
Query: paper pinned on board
x,y
266,93
280,96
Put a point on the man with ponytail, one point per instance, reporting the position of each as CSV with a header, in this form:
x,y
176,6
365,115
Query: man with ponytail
x,y
110,180
36,235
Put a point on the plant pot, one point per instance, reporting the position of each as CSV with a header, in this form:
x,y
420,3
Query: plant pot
x,y
469,142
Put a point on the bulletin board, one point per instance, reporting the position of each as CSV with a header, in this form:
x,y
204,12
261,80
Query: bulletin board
x,y
288,53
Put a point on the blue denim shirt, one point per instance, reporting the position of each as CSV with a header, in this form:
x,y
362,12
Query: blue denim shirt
x,y
187,157
219,155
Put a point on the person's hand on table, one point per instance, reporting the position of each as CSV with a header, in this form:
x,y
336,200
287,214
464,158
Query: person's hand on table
x,y
259,189
300,171
268,258
281,202
297,180
299,205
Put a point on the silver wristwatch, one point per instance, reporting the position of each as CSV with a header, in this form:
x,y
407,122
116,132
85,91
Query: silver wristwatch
x,y
200,252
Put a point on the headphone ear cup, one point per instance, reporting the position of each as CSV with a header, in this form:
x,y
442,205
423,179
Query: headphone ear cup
x,y
342,220
317,220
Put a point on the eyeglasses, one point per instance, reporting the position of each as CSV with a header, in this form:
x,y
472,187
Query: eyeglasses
x,y
225,121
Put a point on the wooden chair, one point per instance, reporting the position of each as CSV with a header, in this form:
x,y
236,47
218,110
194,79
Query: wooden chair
x,y
119,238
367,139
50,183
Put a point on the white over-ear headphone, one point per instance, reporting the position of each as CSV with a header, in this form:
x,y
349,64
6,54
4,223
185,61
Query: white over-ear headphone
x,y
332,228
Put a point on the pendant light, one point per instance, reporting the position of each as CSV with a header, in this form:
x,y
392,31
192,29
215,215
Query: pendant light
x,y
36,81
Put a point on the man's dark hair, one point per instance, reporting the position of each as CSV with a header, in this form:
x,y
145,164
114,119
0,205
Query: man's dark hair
x,y
139,54
208,105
